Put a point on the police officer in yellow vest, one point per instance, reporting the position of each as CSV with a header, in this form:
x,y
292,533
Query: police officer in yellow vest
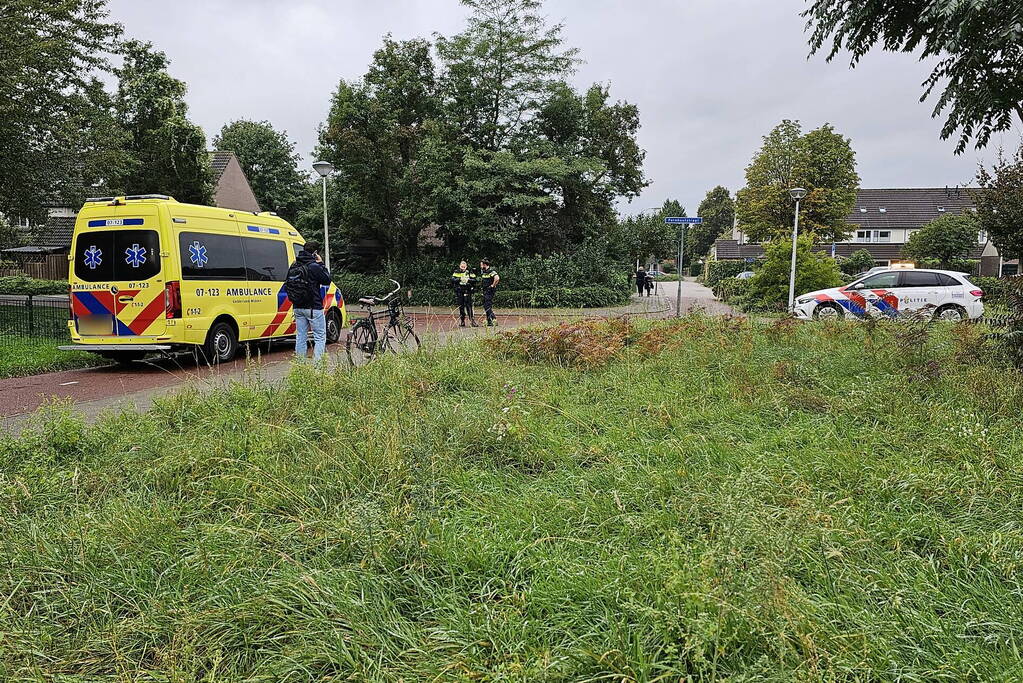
x,y
463,281
488,281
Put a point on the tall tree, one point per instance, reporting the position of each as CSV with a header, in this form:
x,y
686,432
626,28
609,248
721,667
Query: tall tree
x,y
1000,202
383,136
597,140
979,46
169,149
946,238
51,52
821,161
500,68
270,163
718,212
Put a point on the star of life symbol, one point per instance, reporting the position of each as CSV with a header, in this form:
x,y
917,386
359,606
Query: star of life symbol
x,y
93,257
197,254
135,255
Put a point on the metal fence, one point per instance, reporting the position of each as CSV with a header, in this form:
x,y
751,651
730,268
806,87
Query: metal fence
x,y
33,317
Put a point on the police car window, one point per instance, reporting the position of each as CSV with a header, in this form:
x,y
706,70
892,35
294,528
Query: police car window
x,y
879,281
117,255
207,256
948,281
265,259
915,278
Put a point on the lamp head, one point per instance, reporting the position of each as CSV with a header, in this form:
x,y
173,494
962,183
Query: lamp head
x,y
324,168
797,193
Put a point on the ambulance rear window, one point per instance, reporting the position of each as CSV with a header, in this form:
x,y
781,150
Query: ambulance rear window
x,y
117,255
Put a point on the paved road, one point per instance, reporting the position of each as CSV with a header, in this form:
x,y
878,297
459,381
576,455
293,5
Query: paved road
x,y
96,390
694,297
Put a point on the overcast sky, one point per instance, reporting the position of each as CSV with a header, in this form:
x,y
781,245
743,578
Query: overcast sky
x,y
710,77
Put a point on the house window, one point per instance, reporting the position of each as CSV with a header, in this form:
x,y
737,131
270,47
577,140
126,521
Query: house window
x,y
873,235
863,235
882,235
982,237
1010,269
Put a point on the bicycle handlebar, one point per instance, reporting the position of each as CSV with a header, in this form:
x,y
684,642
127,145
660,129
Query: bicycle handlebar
x,y
382,299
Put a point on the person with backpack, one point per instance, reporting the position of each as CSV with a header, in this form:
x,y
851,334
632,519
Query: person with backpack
x,y
302,286
488,281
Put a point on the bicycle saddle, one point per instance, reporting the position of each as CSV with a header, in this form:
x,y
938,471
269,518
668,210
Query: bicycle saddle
x,y
367,301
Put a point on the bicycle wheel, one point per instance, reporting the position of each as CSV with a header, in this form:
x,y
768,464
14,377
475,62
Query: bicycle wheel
x,y
362,343
401,338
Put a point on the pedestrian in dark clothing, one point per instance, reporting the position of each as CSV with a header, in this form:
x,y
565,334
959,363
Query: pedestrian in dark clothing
x,y
463,281
305,276
649,285
488,281
640,280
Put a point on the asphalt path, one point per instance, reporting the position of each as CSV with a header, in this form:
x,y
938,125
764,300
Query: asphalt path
x,y
94,391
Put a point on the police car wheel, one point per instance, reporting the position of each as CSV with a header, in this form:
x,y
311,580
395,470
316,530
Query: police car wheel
x,y
827,311
951,313
333,327
221,344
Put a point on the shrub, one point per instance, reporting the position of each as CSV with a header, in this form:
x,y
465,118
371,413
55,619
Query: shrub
x,y
22,284
995,289
770,286
859,261
719,270
353,286
582,343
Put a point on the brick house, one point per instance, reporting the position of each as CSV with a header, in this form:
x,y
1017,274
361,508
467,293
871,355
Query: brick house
x,y
881,221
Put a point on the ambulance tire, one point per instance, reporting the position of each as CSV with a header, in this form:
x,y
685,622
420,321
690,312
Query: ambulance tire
x,y
221,344
828,311
333,327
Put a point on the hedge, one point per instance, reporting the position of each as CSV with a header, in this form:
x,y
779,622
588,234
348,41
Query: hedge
x,y
996,289
720,270
22,284
353,286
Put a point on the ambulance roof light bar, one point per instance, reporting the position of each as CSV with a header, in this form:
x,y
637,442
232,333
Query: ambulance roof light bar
x,y
91,200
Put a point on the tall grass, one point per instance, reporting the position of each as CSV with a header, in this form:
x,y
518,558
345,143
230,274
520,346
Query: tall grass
x,y
718,499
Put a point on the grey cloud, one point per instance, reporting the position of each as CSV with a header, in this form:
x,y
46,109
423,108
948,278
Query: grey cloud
x,y
710,77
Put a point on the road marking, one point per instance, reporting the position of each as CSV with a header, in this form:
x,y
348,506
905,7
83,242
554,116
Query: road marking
x,y
64,384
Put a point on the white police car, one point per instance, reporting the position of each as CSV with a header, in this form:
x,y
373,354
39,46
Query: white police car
x,y
950,295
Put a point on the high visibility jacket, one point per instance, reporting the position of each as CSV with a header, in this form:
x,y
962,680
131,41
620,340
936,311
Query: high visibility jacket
x,y
463,280
487,278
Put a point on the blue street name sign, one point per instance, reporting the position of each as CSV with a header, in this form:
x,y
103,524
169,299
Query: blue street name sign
x,y
683,220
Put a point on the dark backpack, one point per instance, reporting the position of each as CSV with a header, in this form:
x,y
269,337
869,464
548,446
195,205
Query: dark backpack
x,y
299,286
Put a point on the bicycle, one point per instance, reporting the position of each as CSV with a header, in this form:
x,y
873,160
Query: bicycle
x,y
365,343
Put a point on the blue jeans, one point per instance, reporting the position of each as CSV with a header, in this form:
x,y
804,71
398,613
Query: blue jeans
x,y
306,319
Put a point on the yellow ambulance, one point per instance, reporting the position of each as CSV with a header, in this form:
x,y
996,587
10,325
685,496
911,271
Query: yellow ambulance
x,y
149,274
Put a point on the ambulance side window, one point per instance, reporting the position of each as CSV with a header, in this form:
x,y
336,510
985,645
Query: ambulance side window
x,y
209,256
298,250
265,259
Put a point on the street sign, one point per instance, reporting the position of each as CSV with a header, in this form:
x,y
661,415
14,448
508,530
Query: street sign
x,y
683,220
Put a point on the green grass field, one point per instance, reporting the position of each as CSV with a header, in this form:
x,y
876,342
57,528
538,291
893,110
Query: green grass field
x,y
708,499
20,357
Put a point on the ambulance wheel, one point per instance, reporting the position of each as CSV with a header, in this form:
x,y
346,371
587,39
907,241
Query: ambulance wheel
x,y
827,311
333,327
221,344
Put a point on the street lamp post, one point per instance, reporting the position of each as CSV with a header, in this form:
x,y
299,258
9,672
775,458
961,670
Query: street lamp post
x,y
796,193
325,168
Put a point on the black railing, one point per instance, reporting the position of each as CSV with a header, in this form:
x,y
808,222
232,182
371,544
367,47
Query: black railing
x,y
33,317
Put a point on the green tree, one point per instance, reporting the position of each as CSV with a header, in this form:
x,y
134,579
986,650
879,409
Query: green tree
x,y
169,150
978,46
946,238
769,288
718,213
859,261
51,54
821,161
383,136
270,162
1000,202
499,69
